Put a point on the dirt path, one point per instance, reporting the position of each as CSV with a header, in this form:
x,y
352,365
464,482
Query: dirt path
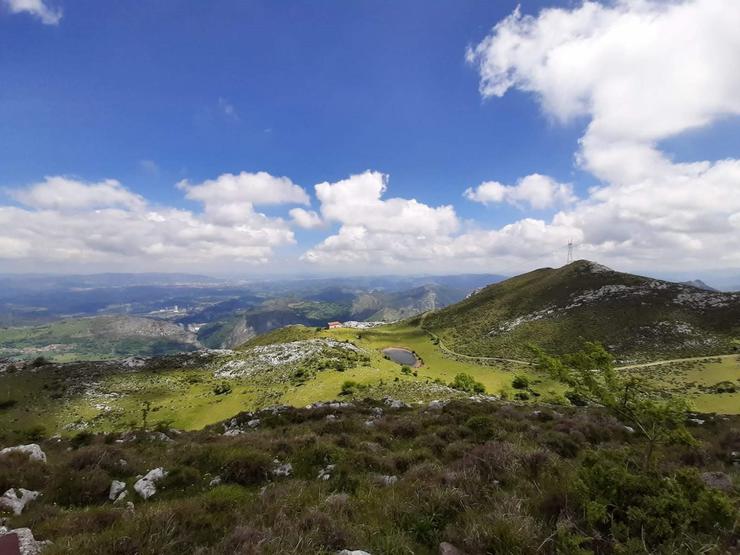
x,y
450,352
669,361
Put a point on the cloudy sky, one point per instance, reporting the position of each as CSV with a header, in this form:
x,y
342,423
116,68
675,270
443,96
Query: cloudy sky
x,y
369,136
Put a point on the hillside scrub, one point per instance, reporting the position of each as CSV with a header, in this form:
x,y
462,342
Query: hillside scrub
x,y
591,374
487,477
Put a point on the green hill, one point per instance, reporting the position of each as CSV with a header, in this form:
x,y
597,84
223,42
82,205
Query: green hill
x,y
635,317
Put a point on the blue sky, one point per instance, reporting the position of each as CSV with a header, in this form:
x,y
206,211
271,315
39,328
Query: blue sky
x,y
153,93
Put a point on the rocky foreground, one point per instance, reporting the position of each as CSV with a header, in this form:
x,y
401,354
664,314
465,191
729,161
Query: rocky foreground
x,y
377,477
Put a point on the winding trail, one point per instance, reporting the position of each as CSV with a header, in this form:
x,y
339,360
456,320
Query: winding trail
x,y
452,353
671,360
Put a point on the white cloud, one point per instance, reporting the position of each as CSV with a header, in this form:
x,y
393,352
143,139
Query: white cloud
x,y
229,199
641,71
105,223
37,8
409,235
62,193
357,201
307,219
536,190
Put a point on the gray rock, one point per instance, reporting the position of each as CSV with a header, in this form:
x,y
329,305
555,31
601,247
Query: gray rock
x,y
27,544
388,480
116,488
325,473
352,552
718,480
147,486
437,405
33,451
282,470
395,403
216,481
449,549
16,503
254,423
331,417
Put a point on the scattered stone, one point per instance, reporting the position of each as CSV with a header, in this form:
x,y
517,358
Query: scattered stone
x,y
352,552
325,473
717,480
437,405
449,549
697,421
282,470
216,481
388,480
33,451
120,498
377,412
160,436
20,542
146,486
254,422
629,429
13,502
395,403
370,423
331,417
116,488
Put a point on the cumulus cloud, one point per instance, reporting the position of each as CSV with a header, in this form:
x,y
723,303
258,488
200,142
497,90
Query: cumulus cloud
x,y
307,219
641,71
229,199
61,193
38,8
535,190
402,232
61,219
357,201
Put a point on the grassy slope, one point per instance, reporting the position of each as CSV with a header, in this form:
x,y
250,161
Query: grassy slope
x,y
184,396
487,477
625,324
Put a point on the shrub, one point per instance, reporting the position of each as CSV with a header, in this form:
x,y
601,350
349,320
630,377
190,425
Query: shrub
x,y
349,387
181,477
520,382
521,396
466,382
222,389
246,467
70,487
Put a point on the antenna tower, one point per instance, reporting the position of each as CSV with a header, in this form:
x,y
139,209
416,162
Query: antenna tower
x,y
570,251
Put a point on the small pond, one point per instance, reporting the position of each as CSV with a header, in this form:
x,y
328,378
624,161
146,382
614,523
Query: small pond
x,y
401,356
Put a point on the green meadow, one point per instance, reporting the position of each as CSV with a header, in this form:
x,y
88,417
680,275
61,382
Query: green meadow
x,y
55,399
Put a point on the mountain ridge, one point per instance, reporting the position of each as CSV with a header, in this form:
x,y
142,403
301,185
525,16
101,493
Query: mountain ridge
x,y
557,308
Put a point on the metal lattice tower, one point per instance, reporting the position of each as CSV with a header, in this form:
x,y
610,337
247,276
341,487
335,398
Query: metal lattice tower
x,y
570,251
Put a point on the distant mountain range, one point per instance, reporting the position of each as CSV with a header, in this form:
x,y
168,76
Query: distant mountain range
x,y
635,317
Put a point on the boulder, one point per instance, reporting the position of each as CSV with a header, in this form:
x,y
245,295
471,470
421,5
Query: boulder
x,y
33,451
717,480
116,488
11,501
20,542
147,486
449,549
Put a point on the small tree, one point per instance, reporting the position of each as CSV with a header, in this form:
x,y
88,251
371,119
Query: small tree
x,y
593,379
466,382
520,382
